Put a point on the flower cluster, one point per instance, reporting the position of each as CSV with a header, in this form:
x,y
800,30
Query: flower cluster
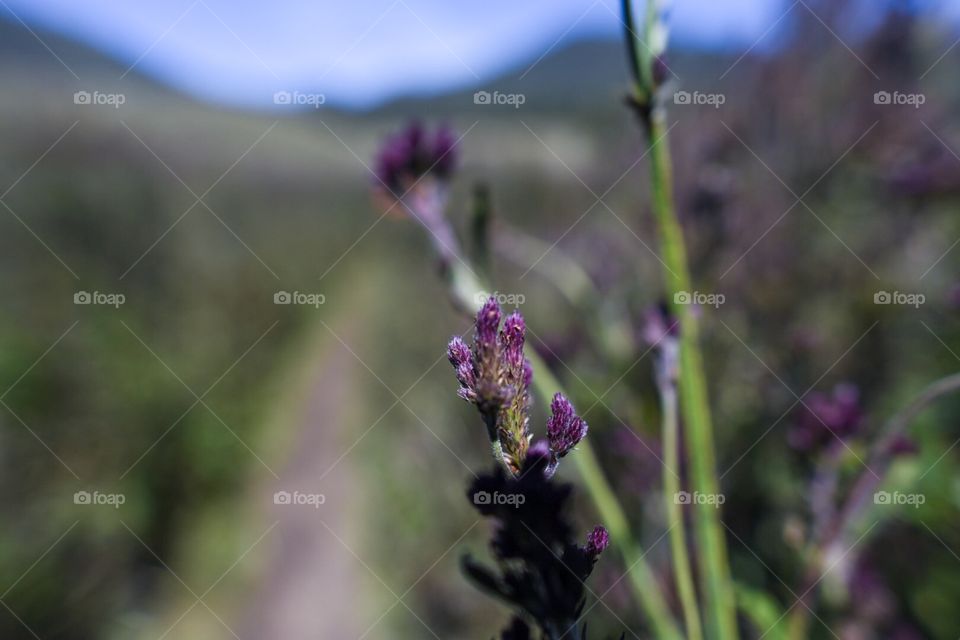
x,y
495,376
411,154
541,569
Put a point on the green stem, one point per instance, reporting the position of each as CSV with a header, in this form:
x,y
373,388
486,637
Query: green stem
x,y
671,489
694,404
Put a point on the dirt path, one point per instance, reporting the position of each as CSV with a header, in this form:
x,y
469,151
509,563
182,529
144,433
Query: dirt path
x,y
309,588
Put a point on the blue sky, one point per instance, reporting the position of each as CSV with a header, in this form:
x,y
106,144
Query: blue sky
x,y
360,53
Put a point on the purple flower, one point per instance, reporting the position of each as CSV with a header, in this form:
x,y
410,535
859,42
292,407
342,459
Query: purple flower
x,y
488,322
597,541
825,417
564,427
496,377
413,153
512,337
458,353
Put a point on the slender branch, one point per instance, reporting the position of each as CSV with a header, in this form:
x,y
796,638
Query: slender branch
x,y
671,491
694,403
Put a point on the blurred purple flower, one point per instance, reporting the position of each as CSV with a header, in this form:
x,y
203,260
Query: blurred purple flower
x,y
409,155
826,416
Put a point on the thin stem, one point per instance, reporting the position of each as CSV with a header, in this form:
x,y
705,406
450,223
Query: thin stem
x,y
671,491
694,402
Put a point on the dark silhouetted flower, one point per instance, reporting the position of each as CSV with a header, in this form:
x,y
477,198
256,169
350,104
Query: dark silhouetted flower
x,y
540,568
825,417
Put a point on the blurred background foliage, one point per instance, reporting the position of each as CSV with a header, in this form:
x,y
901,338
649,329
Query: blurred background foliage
x,y
199,397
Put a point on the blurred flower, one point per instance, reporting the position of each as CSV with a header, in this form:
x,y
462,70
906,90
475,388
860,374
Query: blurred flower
x,y
496,377
540,568
413,167
409,155
826,416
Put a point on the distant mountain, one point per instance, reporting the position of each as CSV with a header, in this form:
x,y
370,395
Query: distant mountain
x,y
29,47
571,77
